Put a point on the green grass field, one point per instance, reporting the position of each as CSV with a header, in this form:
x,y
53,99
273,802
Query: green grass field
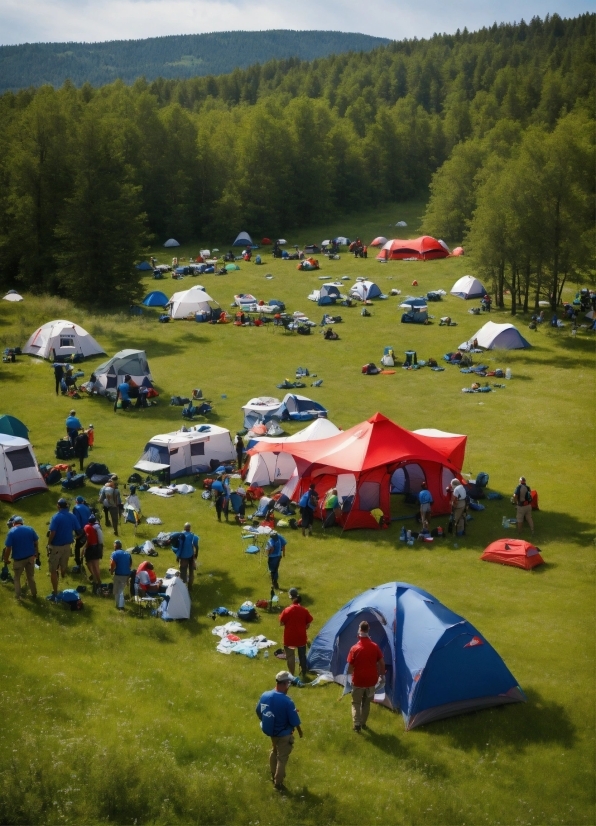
x,y
108,718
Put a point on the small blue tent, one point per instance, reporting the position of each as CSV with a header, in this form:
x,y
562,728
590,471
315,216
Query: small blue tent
x,y
328,294
243,239
145,266
155,299
299,409
438,664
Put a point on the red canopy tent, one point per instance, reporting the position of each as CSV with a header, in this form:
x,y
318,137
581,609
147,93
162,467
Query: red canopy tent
x,y
451,445
514,552
424,249
360,463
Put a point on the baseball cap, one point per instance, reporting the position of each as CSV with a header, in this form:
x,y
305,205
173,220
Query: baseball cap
x,y
522,480
80,499
283,677
117,543
293,592
92,520
62,503
16,519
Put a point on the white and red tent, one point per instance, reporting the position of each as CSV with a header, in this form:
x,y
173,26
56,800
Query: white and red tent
x,y
424,248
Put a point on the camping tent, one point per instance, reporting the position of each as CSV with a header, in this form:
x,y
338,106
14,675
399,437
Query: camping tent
x,y
156,299
500,337
326,295
19,474
365,290
514,552
145,266
187,451
468,287
424,248
242,240
260,409
177,603
379,241
363,463
171,242
451,445
274,468
131,363
187,303
12,296
13,427
299,409
56,339
438,664
418,304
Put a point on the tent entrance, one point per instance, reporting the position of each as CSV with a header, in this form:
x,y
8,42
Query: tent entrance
x,y
408,479
348,636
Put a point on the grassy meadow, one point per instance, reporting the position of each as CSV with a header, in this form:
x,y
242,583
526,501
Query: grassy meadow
x,y
110,718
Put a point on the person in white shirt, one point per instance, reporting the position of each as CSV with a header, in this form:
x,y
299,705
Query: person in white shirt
x,y
458,507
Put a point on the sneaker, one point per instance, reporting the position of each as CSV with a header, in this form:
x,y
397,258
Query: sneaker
x,y
279,787
357,729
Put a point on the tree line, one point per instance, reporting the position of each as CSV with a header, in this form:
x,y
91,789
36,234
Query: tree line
x,y
89,176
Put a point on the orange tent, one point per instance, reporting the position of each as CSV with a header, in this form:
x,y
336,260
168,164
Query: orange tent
x,y
514,552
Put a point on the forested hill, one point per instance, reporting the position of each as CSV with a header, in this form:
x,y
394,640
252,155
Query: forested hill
x,y
181,56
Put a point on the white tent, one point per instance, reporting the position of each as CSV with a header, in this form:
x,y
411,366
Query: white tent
x,y
19,473
171,242
61,338
500,337
188,302
259,409
184,452
343,239
12,296
468,287
274,468
242,239
177,606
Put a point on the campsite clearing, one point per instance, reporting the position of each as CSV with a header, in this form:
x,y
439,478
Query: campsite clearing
x,y
110,705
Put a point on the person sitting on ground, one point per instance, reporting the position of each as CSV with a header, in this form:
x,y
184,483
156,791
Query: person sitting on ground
x,y
330,334
68,379
146,581
123,394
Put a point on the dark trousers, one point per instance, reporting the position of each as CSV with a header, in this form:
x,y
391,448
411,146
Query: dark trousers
x,y
273,565
79,544
58,380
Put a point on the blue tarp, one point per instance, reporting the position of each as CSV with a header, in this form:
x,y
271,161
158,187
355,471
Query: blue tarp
x,y
155,299
438,664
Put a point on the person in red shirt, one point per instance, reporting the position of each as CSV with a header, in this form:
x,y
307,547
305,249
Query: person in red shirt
x,y
366,665
296,621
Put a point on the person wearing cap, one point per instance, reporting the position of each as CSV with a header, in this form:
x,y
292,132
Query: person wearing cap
x,y
109,496
279,717
307,504
73,426
522,498
81,512
458,507
121,568
21,544
276,548
63,527
296,621
81,448
93,551
426,502
367,667
186,547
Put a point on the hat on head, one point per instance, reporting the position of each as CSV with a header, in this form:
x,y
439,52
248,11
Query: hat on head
x,y
117,543
113,477
80,500
62,503
293,592
16,519
283,677
522,480
92,520
73,412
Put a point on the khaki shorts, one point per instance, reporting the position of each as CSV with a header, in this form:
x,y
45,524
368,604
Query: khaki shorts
x,y
59,556
523,511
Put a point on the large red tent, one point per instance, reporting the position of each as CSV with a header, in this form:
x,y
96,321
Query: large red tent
x,y
360,463
424,248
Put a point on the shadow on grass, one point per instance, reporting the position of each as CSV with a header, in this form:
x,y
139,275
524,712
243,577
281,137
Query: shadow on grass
x,y
324,806
157,347
58,613
510,726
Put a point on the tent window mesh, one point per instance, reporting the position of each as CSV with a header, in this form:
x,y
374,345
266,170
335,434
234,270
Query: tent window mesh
x,y
369,496
20,459
197,449
66,341
156,453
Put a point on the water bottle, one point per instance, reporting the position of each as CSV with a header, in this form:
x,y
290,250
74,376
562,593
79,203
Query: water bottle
x,y
266,655
508,373
505,523
409,535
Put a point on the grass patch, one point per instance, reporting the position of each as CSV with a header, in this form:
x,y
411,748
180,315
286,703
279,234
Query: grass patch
x,y
115,719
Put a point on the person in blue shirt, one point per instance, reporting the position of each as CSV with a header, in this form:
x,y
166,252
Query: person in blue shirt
x,y
220,491
81,513
22,544
276,548
426,502
307,504
63,527
186,548
123,394
73,426
121,567
279,717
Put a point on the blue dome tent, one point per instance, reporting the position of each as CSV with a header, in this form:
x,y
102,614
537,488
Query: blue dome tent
x,y
155,299
438,664
145,266
243,239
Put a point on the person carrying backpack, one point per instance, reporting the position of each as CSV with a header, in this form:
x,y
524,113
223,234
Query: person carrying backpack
x,y
522,498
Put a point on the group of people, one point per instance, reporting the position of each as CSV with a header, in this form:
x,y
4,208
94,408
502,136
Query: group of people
x,y
65,379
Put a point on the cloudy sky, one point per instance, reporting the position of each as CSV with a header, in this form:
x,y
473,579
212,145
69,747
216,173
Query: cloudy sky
x,y
23,21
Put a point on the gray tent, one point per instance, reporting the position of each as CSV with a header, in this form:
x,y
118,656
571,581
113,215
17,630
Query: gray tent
x,y
111,373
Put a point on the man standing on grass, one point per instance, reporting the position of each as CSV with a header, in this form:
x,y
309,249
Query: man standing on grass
x,y
366,665
63,527
522,497
276,548
186,546
458,505
426,501
121,567
21,543
279,717
307,504
73,425
296,621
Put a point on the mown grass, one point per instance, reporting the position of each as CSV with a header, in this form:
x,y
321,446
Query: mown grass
x,y
113,719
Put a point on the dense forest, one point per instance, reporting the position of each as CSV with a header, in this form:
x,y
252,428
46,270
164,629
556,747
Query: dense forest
x,y
498,123
176,56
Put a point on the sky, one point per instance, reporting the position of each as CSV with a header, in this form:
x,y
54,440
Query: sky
x,y
33,21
